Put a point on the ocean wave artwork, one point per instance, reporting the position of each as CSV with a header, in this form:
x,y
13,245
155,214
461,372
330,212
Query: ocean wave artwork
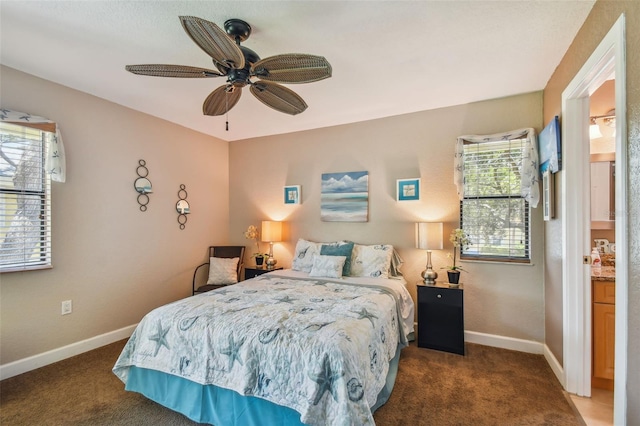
x,y
345,197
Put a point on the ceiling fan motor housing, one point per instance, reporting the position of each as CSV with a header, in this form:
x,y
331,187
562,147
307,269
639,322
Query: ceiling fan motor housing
x,y
240,77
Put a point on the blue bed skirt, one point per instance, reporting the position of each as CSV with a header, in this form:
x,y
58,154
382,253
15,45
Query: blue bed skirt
x,y
224,407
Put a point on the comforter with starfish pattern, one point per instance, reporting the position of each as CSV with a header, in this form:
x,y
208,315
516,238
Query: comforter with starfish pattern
x,y
321,347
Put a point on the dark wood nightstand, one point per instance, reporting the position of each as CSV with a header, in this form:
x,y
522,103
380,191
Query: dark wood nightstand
x,y
253,272
441,317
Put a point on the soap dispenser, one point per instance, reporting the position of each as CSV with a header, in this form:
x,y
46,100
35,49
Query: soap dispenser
x,y
596,262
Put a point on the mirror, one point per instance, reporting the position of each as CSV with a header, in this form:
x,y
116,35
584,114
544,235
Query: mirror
x,y
143,185
603,202
182,207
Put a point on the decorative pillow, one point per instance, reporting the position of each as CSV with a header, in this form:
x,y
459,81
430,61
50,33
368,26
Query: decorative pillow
x,y
341,248
371,261
223,270
303,255
327,266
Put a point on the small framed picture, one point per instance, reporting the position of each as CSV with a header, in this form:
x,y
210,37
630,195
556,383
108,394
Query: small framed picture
x,y
408,189
548,195
292,194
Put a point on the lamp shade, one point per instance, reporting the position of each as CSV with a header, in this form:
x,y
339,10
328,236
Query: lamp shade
x,y
429,235
271,231
594,131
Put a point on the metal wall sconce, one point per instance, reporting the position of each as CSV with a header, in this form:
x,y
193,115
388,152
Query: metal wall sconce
x,y
142,185
182,207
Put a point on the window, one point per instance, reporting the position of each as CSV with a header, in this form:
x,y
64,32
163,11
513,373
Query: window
x,y
25,199
499,179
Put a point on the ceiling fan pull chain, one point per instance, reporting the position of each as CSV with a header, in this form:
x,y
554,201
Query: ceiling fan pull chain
x,y
226,100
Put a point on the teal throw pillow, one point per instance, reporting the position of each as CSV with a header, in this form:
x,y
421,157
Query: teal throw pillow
x,y
339,249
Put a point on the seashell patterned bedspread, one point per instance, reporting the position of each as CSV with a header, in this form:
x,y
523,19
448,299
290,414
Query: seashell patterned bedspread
x,y
321,347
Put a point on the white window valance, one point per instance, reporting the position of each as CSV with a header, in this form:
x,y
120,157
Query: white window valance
x,y
529,169
55,162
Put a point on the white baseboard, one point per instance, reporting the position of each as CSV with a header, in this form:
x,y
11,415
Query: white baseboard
x,y
31,363
558,370
503,342
46,358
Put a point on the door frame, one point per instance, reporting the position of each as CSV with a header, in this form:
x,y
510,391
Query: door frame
x,y
608,58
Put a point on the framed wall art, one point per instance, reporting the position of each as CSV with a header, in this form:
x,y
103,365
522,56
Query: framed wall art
x,y
292,194
408,189
550,147
345,197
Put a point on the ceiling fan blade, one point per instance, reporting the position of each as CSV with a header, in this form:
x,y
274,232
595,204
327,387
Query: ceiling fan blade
x,y
292,68
278,97
214,41
221,100
160,70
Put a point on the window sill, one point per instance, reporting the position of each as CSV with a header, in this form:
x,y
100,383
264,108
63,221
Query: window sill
x,y
497,262
23,269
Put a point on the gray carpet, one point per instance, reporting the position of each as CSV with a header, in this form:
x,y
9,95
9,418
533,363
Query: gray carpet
x,y
489,386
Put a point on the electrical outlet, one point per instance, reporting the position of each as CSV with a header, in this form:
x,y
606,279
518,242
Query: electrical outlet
x,y
66,307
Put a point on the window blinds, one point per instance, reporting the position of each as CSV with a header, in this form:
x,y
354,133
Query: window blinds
x,y
25,202
493,212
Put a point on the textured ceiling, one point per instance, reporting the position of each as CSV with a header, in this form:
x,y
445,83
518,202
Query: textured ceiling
x,y
388,57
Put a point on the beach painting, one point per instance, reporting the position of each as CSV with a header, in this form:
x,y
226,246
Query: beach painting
x,y
345,197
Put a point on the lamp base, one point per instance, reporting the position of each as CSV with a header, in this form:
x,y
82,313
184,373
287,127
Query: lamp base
x,y
271,263
429,276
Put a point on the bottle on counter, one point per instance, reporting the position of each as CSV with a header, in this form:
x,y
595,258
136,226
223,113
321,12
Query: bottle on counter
x,y
596,262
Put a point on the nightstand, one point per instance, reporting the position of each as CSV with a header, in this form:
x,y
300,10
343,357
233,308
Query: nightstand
x,y
441,317
253,272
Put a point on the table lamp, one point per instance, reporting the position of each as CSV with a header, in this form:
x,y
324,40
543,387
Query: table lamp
x,y
271,233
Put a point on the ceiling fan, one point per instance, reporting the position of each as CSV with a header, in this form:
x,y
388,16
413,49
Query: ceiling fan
x,y
240,65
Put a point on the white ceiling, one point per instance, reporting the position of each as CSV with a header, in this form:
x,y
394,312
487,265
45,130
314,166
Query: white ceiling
x,y
388,57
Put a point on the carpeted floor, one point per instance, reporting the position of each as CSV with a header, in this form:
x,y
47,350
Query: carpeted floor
x,y
488,386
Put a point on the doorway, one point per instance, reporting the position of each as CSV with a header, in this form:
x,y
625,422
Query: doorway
x,y
608,59
602,165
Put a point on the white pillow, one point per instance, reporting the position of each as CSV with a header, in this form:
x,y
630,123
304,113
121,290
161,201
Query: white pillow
x,y
327,266
303,255
371,261
223,270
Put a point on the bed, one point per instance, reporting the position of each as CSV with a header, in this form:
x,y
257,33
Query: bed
x,y
287,347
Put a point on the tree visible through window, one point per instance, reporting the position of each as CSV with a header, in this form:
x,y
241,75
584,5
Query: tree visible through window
x,y
493,212
25,225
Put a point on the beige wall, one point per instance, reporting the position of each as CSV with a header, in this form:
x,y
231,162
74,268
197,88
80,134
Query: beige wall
x,y
500,299
113,261
602,17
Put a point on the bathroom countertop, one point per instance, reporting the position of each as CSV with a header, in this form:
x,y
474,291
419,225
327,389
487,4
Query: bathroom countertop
x,y
608,273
